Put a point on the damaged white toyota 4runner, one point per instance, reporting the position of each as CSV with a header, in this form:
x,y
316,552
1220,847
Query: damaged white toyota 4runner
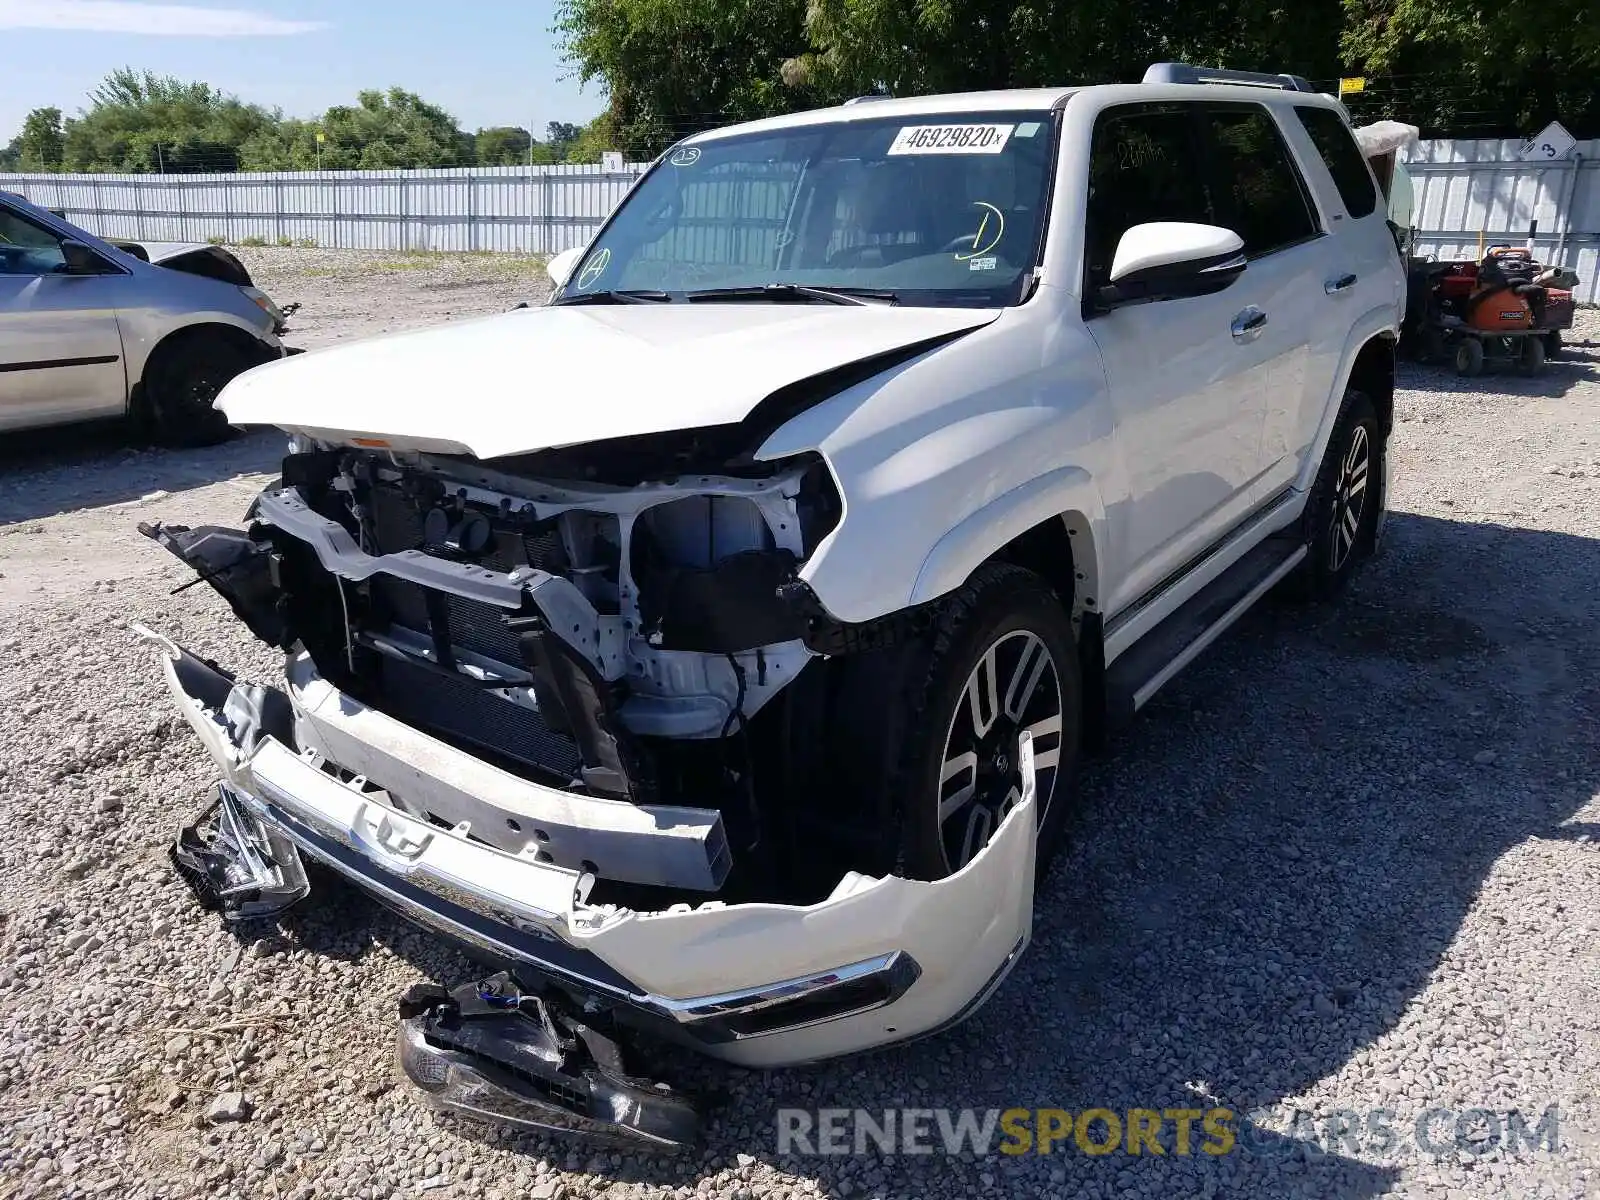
x,y
713,646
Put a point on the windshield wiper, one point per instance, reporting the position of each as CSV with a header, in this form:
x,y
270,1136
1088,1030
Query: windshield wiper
x,y
796,291
637,296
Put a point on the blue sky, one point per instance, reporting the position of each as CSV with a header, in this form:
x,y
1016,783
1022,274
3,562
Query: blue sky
x,y
487,62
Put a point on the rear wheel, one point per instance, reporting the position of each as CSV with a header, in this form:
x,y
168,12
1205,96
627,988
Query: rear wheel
x,y
1343,507
1552,344
182,380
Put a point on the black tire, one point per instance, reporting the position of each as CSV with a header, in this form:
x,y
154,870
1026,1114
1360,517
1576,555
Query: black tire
x,y
182,379
1469,356
1530,355
1553,345
908,706
1337,532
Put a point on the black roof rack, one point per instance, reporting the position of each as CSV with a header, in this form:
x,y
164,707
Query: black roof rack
x,y
1183,73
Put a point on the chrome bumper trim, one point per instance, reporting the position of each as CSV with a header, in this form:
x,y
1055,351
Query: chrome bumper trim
x,y
777,1007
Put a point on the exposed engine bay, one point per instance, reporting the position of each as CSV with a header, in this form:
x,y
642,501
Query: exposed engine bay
x,y
645,641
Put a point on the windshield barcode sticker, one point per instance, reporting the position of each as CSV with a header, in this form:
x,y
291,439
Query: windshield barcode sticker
x,y
951,139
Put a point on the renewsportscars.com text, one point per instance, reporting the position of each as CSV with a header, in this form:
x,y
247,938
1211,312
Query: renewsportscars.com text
x,y
1434,1131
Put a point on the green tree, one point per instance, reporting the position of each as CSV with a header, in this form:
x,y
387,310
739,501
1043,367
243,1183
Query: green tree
x,y
590,141
559,136
41,144
672,67
382,130
502,146
396,128
859,46
141,121
1508,68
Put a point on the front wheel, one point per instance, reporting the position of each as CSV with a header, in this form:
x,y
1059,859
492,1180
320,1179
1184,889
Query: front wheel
x,y
1002,661
181,382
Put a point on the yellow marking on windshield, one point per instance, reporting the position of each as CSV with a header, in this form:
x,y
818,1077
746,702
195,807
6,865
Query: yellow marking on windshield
x,y
979,246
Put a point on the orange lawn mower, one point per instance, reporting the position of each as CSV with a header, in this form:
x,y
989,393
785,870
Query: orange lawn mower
x,y
1507,307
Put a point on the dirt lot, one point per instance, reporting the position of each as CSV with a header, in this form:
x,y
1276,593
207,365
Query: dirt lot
x,y
1347,862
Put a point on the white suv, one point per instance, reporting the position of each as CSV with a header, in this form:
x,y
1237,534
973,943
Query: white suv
x,y
715,645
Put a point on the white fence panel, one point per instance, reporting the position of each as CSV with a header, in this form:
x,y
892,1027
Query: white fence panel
x,y
540,210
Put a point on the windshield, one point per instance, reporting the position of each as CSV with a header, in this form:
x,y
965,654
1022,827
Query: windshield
x,y
939,210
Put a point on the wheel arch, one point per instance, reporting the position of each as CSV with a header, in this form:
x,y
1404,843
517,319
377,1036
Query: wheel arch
x,y
1048,525
1060,550
1372,373
1367,362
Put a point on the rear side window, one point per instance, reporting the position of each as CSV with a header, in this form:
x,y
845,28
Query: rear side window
x,y
1265,200
1144,166
1343,158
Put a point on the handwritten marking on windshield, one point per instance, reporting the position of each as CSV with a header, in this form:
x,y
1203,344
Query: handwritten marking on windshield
x,y
594,268
979,246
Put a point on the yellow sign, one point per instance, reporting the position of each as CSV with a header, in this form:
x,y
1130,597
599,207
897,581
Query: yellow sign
x,y
1348,87
321,137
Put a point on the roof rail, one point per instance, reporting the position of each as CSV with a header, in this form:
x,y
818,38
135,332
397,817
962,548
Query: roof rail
x,y
868,98
1183,73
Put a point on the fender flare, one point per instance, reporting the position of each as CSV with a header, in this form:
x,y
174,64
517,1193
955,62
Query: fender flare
x,y
1376,322
964,548
154,334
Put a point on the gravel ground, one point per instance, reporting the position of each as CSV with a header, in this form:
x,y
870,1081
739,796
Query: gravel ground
x,y
1347,861
354,294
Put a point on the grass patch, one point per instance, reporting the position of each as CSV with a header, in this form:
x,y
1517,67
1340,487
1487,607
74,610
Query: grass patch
x,y
485,265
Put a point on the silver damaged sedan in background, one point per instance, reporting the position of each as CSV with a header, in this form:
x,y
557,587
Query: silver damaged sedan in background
x,y
92,329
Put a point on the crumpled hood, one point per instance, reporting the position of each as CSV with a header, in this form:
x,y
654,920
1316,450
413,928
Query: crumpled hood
x,y
540,378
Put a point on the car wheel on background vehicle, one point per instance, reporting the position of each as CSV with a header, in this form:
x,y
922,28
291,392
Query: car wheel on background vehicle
x,y
949,711
1343,507
181,381
1469,356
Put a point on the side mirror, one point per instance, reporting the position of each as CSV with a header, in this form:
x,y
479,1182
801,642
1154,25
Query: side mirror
x,y
559,267
78,259
1168,260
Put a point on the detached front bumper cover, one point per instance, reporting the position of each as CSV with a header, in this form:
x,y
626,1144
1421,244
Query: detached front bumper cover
x,y
493,1051
879,959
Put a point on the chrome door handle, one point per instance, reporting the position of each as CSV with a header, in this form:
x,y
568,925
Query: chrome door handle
x,y
1342,284
1247,326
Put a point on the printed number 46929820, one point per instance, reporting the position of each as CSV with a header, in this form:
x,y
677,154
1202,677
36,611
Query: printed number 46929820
x,y
941,136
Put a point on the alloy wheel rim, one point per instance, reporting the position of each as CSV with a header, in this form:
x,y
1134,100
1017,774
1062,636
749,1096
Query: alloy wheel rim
x,y
1015,686
1349,498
